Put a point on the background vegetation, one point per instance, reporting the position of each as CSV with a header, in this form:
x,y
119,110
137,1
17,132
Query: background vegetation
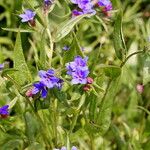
x,y
130,120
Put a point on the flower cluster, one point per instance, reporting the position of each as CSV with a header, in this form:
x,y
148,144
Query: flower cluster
x,y
48,80
66,48
105,4
48,2
27,16
78,70
64,148
85,6
4,111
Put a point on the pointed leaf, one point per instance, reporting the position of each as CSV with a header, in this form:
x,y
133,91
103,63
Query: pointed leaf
x,y
118,39
23,74
67,27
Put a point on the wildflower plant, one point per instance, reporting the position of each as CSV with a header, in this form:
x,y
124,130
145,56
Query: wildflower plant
x,y
61,83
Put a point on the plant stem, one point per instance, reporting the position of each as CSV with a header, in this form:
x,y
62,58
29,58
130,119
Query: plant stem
x,y
127,58
55,120
51,46
45,138
92,142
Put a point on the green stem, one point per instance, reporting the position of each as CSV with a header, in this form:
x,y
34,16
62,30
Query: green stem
x,y
92,143
51,46
45,138
135,53
55,120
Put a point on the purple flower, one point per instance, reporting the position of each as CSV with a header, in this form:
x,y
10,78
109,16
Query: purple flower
x,y
1,66
27,16
78,70
79,76
66,48
86,7
48,2
76,13
106,4
4,111
39,87
65,148
49,80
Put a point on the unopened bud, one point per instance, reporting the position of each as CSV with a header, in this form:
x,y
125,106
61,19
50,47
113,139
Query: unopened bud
x,y
89,80
86,87
3,116
32,23
140,88
29,93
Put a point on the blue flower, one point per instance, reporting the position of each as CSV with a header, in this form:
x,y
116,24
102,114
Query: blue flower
x,y
106,4
4,110
39,87
64,148
66,48
49,79
1,66
86,7
27,16
79,76
76,13
78,70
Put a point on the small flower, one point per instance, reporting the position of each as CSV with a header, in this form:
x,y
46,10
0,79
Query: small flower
x,y
106,4
86,87
89,80
78,70
1,66
48,2
28,16
76,13
85,6
39,87
29,92
65,148
140,88
4,111
79,76
66,48
49,79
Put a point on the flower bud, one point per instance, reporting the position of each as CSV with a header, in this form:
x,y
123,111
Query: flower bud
x,y
140,88
89,80
29,92
87,87
3,116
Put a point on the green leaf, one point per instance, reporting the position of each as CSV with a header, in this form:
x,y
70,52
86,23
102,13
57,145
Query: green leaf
x,y
32,127
112,71
64,29
18,30
13,102
36,146
105,109
93,107
118,38
23,74
12,144
117,135
9,71
60,95
146,70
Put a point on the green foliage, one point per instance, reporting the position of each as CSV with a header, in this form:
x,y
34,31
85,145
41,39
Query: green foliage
x,y
112,113
23,75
